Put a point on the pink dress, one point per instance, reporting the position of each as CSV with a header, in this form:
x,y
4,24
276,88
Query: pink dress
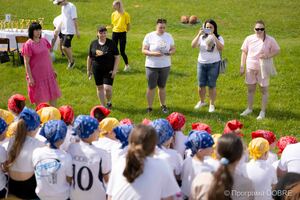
x,y
46,87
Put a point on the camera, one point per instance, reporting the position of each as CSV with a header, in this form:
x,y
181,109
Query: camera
x,y
207,30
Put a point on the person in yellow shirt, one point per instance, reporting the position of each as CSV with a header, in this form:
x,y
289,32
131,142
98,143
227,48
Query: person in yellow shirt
x,y
121,25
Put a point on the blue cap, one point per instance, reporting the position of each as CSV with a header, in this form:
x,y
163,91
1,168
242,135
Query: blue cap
x,y
31,118
122,133
84,126
163,129
198,140
3,125
53,131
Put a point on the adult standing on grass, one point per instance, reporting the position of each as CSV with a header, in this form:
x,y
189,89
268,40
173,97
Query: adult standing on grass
x,y
68,28
256,49
121,25
158,46
40,75
102,62
210,44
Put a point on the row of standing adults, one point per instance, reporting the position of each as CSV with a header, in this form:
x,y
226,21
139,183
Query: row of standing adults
x,y
158,46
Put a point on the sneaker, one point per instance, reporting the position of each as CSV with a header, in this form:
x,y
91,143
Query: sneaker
x,y
71,65
261,115
62,55
149,110
126,68
211,108
246,112
108,105
199,105
164,109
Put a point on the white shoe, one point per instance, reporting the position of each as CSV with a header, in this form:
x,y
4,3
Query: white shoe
x,y
211,108
246,112
199,105
126,68
261,115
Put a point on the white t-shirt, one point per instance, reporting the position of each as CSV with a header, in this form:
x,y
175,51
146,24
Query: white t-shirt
x,y
52,166
290,158
57,21
117,154
3,158
272,157
68,14
156,182
208,56
107,144
160,43
23,162
190,169
175,160
179,145
241,166
90,164
69,139
262,175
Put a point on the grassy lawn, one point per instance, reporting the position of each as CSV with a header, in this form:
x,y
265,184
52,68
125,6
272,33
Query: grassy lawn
x,y
235,20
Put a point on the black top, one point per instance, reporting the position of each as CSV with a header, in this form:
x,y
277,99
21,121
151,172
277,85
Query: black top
x,y
103,56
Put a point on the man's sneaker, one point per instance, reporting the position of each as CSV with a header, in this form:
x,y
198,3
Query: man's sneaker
x,y
109,105
126,68
199,105
164,109
246,112
71,65
211,108
261,115
149,110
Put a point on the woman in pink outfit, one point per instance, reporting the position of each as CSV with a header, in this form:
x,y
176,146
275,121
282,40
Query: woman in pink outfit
x,y
40,75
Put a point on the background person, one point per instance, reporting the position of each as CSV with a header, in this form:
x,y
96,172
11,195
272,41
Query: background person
x,y
210,44
255,47
121,25
158,46
102,62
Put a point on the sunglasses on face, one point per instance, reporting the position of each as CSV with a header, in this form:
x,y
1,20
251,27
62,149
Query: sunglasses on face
x,y
259,29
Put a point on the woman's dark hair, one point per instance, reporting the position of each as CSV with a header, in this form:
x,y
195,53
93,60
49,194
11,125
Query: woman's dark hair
x,y
33,26
263,23
142,142
230,147
211,21
285,183
161,21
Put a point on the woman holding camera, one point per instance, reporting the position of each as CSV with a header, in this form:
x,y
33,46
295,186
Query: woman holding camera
x,y
210,44
256,49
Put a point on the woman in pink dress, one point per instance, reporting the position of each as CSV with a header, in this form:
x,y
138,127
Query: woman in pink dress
x,y
40,75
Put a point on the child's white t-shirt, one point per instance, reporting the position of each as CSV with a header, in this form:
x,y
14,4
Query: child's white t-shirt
x,y
116,154
262,175
175,160
179,145
107,144
3,158
156,182
290,158
190,169
68,14
272,157
69,139
89,165
52,167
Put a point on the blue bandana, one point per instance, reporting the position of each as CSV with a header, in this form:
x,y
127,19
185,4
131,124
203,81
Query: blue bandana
x,y
198,140
163,129
122,133
31,118
85,125
53,131
3,125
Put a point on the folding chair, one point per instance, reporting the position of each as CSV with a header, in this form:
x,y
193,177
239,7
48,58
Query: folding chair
x,y
20,40
10,52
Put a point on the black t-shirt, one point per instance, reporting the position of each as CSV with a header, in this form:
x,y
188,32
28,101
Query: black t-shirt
x,y
103,56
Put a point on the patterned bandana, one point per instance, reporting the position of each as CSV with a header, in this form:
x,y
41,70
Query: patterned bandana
x,y
122,133
67,114
54,131
163,129
146,121
99,112
31,118
3,126
284,141
12,103
85,125
126,121
49,113
198,126
268,135
177,120
7,116
198,140
41,105
233,125
258,147
107,125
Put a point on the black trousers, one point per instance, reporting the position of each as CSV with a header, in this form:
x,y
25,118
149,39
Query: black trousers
x,y
116,37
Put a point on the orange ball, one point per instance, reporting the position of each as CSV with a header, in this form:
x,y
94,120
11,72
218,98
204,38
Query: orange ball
x,y
184,19
193,19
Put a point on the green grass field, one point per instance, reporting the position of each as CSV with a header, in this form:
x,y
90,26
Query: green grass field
x,y
235,20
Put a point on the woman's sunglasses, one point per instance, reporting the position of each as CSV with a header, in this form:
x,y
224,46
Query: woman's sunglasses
x,y
259,29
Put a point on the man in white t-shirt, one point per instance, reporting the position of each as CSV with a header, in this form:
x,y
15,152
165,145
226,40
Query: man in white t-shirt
x,y
290,160
68,28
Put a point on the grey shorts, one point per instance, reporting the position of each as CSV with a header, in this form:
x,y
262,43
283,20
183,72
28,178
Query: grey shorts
x,y
157,77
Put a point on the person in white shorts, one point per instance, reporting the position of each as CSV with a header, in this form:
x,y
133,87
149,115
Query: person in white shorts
x,y
52,166
91,165
140,175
